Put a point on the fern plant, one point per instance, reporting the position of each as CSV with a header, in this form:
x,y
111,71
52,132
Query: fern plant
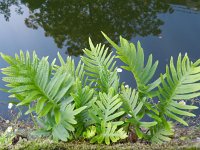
x,y
100,67
83,95
46,90
88,101
105,113
180,82
132,106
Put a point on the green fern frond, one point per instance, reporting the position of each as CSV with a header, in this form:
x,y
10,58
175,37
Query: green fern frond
x,y
110,134
105,112
61,131
90,132
131,103
100,67
32,80
67,66
181,83
83,96
79,72
133,107
106,108
20,74
161,133
19,66
134,59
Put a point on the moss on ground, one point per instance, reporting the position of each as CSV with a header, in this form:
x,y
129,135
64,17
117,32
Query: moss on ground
x,y
184,138
50,145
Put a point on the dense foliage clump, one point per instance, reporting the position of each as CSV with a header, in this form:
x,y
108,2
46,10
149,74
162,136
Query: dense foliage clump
x,y
89,102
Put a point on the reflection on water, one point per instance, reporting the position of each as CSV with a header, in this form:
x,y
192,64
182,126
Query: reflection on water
x,y
70,23
164,27
5,8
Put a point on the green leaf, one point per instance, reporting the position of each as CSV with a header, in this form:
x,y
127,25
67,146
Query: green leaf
x,y
59,132
30,110
179,84
77,111
161,133
110,133
29,98
17,79
99,66
22,88
57,115
40,105
147,124
171,115
134,59
46,109
90,132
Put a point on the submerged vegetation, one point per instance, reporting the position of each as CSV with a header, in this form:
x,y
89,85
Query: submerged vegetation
x,y
88,102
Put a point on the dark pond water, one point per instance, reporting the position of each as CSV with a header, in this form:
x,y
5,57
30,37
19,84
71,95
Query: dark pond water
x,y
164,28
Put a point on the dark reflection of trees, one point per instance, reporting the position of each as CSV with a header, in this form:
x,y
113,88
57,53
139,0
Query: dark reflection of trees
x,y
5,7
71,22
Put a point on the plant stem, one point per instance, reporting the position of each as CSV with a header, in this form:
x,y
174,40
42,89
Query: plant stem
x,y
33,119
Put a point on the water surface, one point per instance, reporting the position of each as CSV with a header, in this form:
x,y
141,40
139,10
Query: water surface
x,y
164,28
